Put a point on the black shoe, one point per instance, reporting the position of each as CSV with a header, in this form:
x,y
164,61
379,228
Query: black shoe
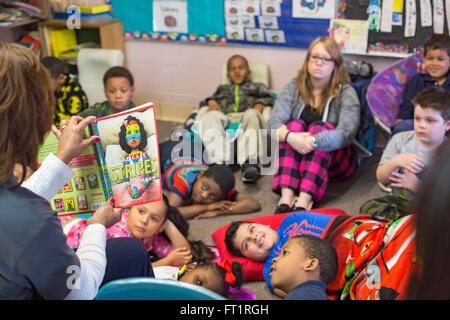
x,y
282,208
250,172
297,209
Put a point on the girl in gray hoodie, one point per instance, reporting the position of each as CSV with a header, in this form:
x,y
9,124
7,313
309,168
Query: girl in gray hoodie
x,y
315,119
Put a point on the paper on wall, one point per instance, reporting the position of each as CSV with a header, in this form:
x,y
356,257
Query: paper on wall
x,y
350,35
410,18
314,9
275,36
438,16
426,18
268,22
170,16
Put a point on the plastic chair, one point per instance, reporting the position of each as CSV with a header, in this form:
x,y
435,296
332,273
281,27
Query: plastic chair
x,y
92,65
384,94
259,73
154,289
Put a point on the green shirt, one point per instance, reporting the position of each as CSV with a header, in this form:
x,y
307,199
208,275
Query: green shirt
x,y
100,109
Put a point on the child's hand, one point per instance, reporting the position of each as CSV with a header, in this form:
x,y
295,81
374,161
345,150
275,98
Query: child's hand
x,y
259,107
179,256
209,214
213,105
407,180
410,161
225,206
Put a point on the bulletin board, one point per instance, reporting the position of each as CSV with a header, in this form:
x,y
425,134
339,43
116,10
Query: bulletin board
x,y
288,23
396,42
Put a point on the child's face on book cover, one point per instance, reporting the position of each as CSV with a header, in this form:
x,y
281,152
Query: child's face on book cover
x,y
119,93
133,135
238,71
437,64
146,220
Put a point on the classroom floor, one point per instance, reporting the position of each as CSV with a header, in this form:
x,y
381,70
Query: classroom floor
x,y
347,195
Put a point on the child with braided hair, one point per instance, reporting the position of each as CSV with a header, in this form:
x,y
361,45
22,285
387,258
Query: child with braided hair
x,y
224,278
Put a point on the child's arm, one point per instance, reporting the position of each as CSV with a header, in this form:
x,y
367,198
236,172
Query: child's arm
x,y
243,204
177,257
177,239
181,252
186,211
408,161
265,96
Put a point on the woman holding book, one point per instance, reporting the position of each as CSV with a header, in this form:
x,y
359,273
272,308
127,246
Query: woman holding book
x,y
36,262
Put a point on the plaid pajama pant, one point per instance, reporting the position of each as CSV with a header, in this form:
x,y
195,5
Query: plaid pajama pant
x,y
310,173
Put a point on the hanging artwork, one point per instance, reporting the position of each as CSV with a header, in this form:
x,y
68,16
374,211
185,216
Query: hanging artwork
x,y
170,16
313,9
350,35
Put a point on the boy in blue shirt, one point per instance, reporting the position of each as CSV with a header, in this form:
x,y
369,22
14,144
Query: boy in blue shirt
x,y
304,268
437,65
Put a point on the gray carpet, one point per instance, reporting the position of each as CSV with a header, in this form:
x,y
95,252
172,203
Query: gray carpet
x,y
347,195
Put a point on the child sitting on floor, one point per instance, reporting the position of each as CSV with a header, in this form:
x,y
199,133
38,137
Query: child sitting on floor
x,y
119,90
147,222
437,65
242,101
200,191
224,278
305,266
70,98
407,153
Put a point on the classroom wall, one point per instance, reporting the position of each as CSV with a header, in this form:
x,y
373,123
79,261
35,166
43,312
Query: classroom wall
x,y
177,76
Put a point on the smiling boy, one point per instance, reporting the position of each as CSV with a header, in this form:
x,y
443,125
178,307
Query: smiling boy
x,y
437,65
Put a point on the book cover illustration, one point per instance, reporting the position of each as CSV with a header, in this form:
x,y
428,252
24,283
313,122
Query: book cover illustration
x,y
86,182
122,165
129,155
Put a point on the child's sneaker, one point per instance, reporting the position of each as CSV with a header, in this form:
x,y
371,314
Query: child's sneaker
x,y
282,208
250,172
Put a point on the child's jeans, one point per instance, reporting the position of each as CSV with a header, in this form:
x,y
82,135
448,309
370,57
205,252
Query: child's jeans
x,y
212,124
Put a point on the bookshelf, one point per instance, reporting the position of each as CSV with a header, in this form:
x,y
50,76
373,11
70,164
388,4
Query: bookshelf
x,y
108,34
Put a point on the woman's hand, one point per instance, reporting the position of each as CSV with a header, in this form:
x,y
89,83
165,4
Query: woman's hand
x,y
301,142
106,215
71,140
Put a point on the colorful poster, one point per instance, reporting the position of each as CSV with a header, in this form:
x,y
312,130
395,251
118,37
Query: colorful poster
x,y
397,13
129,154
351,35
314,9
170,16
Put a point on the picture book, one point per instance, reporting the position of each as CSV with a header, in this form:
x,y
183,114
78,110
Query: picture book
x,y
123,165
